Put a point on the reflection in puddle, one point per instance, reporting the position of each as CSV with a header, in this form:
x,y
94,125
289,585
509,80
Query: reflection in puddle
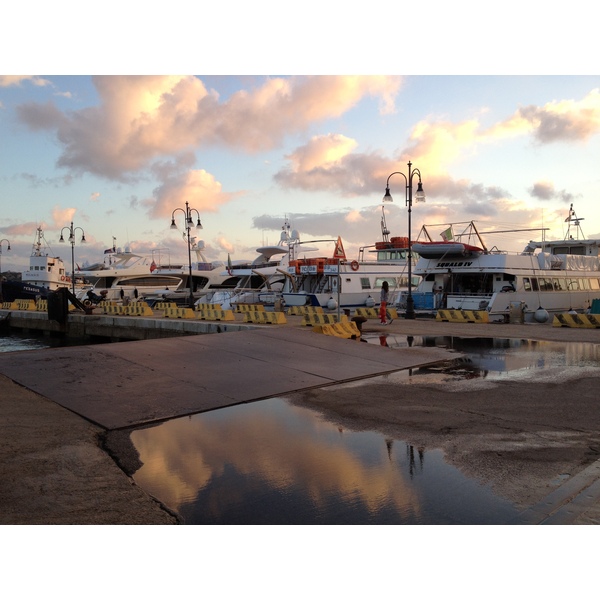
x,y
274,462
496,359
271,462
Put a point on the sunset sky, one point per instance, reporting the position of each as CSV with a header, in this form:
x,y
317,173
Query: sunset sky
x,y
117,154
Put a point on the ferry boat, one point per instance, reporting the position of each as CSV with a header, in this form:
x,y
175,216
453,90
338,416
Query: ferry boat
x,y
547,277
333,281
46,274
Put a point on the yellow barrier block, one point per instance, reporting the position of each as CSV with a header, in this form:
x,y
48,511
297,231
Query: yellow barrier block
x,y
373,313
244,308
41,305
180,313
262,316
322,319
346,330
207,306
9,306
581,321
212,314
305,310
25,304
139,309
165,305
462,316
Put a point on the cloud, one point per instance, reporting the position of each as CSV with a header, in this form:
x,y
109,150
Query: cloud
x,y
544,190
18,80
565,120
197,187
144,118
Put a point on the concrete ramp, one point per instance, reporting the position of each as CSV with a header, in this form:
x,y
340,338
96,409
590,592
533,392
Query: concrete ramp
x,y
133,383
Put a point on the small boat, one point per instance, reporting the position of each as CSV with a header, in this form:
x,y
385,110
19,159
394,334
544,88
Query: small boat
x,y
441,249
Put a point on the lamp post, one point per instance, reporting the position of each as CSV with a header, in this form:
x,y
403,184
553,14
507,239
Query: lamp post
x,y
72,231
189,223
419,197
8,249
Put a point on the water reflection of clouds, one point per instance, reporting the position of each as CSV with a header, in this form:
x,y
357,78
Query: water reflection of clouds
x,y
275,445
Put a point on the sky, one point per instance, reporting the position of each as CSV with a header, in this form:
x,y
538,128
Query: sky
x,y
297,110
116,154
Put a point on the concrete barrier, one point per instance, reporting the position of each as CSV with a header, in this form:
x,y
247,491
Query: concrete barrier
x,y
165,305
322,319
179,313
264,317
346,330
207,306
373,313
212,314
244,308
462,316
25,304
305,310
576,320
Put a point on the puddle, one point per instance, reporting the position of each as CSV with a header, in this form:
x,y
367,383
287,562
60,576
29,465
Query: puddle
x,y
274,462
496,359
271,462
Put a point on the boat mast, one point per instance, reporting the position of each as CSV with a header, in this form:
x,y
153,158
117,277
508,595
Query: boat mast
x,y
574,222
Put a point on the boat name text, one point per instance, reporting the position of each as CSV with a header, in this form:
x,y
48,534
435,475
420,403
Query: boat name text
x,y
467,263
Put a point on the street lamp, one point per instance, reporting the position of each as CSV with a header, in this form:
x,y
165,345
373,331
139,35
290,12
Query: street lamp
x,y
419,197
7,248
189,223
72,231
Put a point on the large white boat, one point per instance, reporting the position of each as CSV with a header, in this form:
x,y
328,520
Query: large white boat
x,y
125,274
46,273
546,277
333,281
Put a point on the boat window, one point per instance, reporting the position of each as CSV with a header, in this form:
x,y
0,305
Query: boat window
x,y
534,284
526,284
584,284
544,284
594,285
392,282
560,285
572,284
365,284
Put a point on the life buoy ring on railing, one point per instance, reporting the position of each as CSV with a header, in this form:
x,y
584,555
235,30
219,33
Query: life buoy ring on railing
x,y
354,265
62,277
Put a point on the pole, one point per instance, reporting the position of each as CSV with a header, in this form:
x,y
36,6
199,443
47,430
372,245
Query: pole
x,y
410,305
188,220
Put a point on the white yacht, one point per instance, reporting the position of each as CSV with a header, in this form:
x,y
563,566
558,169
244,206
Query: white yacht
x,y
547,277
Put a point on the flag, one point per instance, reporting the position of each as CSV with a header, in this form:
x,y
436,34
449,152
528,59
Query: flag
x,y
447,235
339,250
229,265
153,267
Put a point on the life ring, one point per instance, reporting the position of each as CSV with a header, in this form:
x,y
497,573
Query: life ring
x,y
68,279
62,277
354,265
87,303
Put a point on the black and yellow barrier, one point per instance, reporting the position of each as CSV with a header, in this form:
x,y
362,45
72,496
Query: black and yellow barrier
x,y
305,310
213,314
25,304
322,319
576,320
207,306
373,313
244,308
164,305
462,316
179,313
9,306
265,317
345,329
138,309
